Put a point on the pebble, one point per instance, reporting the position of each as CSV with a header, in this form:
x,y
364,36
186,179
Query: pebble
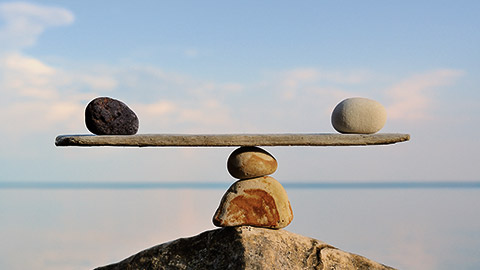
x,y
108,116
359,116
259,202
250,162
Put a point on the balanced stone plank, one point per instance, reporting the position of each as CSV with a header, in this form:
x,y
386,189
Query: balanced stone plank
x,y
225,140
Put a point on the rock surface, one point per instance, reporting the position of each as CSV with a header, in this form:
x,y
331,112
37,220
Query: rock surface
x,y
260,202
108,116
245,248
250,162
219,140
359,115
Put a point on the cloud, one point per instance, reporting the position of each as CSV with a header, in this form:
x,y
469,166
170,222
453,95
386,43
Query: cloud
x,y
32,91
321,75
158,109
37,97
17,62
171,116
35,92
27,117
104,82
41,96
24,22
302,99
191,53
27,77
413,99
325,82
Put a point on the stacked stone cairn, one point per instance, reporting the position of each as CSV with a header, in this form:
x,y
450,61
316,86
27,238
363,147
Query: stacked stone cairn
x,y
252,211
256,199
259,200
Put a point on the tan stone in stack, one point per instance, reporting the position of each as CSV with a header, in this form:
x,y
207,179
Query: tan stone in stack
x,y
257,199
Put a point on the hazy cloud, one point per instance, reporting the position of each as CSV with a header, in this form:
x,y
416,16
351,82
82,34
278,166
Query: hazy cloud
x,y
191,53
37,96
414,98
37,92
24,22
27,77
327,83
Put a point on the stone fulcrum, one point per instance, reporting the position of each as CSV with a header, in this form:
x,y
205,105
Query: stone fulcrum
x,y
259,202
359,115
108,116
250,162
246,247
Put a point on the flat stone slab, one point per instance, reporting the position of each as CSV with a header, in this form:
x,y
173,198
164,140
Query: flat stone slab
x,y
219,140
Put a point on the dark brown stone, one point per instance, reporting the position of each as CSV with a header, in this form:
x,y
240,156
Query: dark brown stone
x,y
108,116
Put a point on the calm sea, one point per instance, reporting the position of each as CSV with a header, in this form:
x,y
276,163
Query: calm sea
x,y
83,225
224,185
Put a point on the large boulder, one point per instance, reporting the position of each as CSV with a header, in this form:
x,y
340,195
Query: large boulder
x,y
245,248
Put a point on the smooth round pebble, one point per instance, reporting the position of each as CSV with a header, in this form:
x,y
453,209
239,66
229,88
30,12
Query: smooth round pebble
x,y
359,116
250,162
108,116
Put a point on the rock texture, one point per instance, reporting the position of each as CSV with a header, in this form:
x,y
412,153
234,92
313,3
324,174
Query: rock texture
x,y
108,116
260,202
250,162
245,248
218,140
359,115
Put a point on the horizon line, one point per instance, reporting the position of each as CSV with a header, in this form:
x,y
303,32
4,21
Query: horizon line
x,y
76,185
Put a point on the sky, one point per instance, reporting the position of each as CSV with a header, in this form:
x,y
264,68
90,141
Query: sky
x,y
239,68
216,67
245,67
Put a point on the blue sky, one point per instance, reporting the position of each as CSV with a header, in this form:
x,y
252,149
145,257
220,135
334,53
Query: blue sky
x,y
214,67
246,67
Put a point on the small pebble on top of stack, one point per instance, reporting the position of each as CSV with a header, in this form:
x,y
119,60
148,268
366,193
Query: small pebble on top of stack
x,y
251,161
256,199
108,116
359,116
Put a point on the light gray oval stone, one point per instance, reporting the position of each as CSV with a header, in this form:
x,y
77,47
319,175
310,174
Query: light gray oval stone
x,y
359,116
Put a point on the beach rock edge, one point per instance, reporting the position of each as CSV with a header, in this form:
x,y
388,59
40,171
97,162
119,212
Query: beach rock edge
x,y
245,247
